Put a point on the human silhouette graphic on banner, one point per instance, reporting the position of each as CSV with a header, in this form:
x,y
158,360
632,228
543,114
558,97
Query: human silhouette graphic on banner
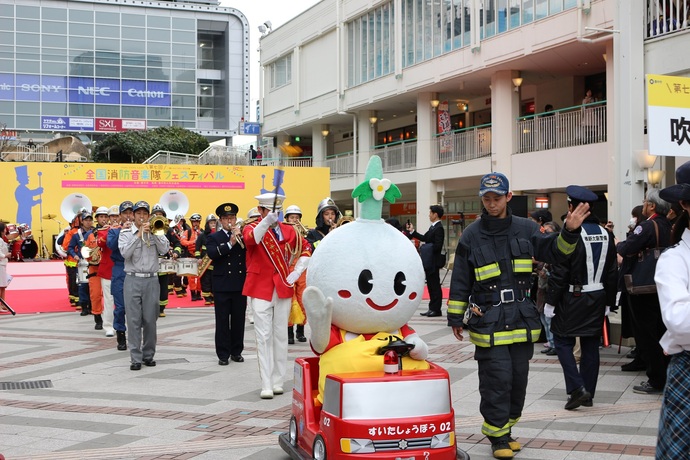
x,y
25,196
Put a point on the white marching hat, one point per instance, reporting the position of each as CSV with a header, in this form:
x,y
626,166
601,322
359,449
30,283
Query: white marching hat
x,y
266,200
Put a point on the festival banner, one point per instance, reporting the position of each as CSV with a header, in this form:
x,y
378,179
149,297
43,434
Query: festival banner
x,y
668,115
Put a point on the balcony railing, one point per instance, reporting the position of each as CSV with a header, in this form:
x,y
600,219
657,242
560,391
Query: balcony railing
x,y
462,145
666,17
342,165
568,127
398,156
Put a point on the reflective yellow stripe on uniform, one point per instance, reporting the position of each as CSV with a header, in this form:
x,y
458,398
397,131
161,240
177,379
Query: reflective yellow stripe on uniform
x,y
522,265
513,421
487,271
456,307
504,337
565,247
494,431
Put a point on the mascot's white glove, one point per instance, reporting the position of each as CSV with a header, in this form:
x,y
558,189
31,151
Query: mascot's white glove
x,y
320,312
300,266
549,310
420,350
261,229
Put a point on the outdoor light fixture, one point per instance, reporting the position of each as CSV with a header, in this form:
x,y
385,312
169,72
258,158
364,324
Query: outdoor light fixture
x,y
434,101
373,119
324,131
654,177
463,106
266,27
517,82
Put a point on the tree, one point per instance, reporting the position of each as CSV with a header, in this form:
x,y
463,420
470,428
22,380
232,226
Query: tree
x,y
137,146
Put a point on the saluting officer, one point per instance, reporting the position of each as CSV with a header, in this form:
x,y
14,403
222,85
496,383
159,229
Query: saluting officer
x,y
226,250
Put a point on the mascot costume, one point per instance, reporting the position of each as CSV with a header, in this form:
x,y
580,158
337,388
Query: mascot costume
x,y
363,285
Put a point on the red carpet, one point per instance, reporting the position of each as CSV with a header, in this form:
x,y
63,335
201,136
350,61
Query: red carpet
x,y
39,287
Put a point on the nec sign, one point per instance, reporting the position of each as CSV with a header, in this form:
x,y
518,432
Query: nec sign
x,y
84,90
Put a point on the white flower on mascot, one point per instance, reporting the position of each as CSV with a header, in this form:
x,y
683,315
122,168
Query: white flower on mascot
x,y
364,283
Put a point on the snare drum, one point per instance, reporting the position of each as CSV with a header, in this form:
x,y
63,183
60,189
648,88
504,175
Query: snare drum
x,y
166,266
187,266
12,232
82,271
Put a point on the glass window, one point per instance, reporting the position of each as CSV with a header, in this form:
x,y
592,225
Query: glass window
x,y
184,101
6,24
54,109
183,37
28,66
134,33
138,20
527,11
134,72
103,17
183,75
54,40
132,46
53,27
489,16
108,31
183,114
158,48
26,25
370,45
281,71
6,107
542,9
77,56
81,43
160,22
107,57
160,113
159,35
184,24
185,50
190,88
7,38
56,14
31,12
107,44
84,110
81,16
54,54
155,73
133,112
28,108
28,122
110,71
109,111
83,30
79,69
7,65
24,52
29,39
55,68
556,6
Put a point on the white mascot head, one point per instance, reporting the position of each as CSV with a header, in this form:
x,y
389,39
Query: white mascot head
x,y
369,269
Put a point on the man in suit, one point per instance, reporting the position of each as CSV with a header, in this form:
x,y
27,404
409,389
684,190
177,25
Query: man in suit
x,y
226,250
434,236
270,285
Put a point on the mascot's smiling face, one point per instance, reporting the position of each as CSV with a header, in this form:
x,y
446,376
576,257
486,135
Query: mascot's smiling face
x,y
373,274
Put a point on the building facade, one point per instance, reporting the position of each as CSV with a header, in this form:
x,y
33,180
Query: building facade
x,y
449,90
96,66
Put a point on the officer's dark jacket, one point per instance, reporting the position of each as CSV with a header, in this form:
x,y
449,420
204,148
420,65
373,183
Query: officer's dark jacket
x,y
200,250
494,255
580,288
644,237
229,264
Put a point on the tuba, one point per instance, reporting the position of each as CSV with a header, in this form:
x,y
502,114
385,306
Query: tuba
x,y
159,225
92,255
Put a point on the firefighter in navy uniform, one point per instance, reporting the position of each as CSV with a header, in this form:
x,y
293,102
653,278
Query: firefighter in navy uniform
x,y
205,263
489,295
579,291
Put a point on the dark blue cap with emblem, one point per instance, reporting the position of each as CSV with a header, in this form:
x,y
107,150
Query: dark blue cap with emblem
x,y
141,205
683,173
227,209
494,182
125,205
580,194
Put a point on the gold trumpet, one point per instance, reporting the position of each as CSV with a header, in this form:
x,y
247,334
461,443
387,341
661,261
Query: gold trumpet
x,y
159,225
300,228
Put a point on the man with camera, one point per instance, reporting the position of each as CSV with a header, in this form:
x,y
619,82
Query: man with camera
x,y
432,257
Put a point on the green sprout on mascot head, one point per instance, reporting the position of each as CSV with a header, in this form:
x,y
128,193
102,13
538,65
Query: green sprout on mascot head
x,y
364,283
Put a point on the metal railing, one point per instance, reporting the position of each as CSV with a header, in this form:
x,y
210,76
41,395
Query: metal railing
x,y
568,127
461,145
341,165
666,16
300,162
40,154
397,156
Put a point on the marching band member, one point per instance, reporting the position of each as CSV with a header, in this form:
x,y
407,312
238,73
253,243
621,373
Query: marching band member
x,y
95,287
177,229
269,283
327,216
117,282
293,216
74,250
140,249
105,269
71,264
226,250
205,265
163,278
188,241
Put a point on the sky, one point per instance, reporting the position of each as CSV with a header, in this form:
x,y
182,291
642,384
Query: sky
x,y
257,12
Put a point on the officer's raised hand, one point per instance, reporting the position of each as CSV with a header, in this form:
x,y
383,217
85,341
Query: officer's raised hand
x,y
574,219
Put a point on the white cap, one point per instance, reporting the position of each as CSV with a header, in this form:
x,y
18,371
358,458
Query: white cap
x,y
254,212
102,210
114,210
267,200
293,209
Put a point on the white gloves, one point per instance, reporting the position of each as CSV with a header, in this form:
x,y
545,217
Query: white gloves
x,y
608,311
549,310
420,350
300,266
261,229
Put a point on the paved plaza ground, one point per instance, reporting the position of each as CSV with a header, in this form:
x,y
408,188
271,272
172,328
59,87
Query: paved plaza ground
x,y
189,407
